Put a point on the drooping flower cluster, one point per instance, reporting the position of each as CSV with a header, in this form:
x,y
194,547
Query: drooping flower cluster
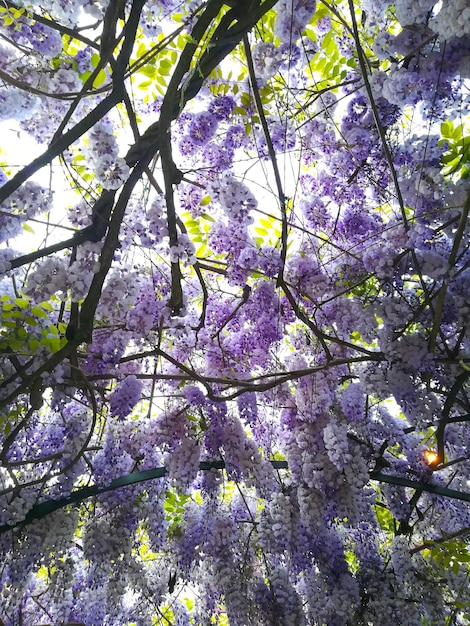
x,y
125,396
27,202
289,446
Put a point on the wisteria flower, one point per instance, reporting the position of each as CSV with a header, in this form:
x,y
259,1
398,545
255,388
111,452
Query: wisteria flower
x,y
112,172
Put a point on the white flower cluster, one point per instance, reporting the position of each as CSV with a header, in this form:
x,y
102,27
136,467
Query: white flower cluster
x,y
49,278
379,259
79,280
432,264
413,11
400,557
235,599
402,86
311,505
95,8
342,600
287,598
184,250
67,13
264,535
375,11
453,20
266,59
357,472
65,81
235,198
183,462
157,222
353,313
19,507
17,104
29,200
52,275
430,182
315,590
62,580
101,544
111,171
292,16
58,528
6,255
281,514
336,444
118,296
303,448
150,20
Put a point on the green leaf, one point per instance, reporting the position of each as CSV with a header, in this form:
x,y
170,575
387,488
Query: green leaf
x,y
38,311
148,70
202,250
457,134
328,42
207,217
268,222
54,344
446,129
385,518
21,303
33,344
141,50
245,99
100,79
450,157
28,228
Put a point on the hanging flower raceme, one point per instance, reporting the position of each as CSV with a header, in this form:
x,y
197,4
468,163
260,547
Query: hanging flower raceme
x,y
125,396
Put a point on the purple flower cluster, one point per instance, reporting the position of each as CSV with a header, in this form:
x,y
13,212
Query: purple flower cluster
x,y
324,326
292,18
125,396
